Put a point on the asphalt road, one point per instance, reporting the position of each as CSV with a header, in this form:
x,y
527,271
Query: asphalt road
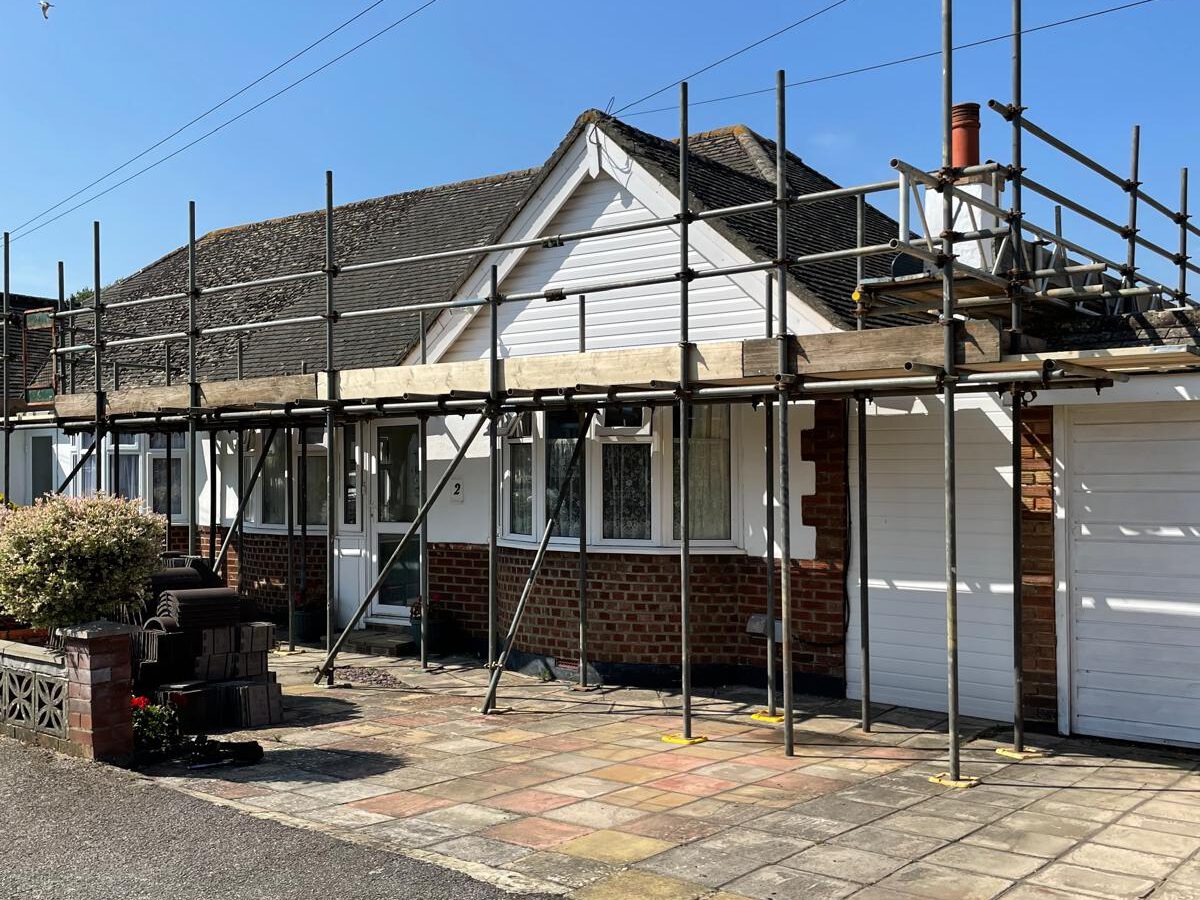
x,y
79,831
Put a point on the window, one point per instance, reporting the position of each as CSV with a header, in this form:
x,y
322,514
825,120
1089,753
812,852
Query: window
x,y
562,430
85,481
519,433
626,489
350,474
41,466
399,473
708,443
314,462
274,483
158,473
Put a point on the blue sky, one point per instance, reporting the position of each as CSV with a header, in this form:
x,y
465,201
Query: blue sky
x,y
469,88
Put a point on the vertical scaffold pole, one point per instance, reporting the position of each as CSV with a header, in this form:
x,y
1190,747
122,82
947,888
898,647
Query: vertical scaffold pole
x,y
864,590
7,430
493,462
784,366
193,385
1018,403
167,456
212,496
685,434
1131,228
949,364
241,492
769,479
1015,243
290,514
302,490
331,389
1183,236
97,357
423,495
584,423
62,306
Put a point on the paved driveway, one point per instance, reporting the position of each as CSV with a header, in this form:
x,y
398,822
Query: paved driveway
x,y
577,794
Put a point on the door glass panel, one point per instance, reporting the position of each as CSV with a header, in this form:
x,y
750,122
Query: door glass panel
x,y
403,583
42,464
399,446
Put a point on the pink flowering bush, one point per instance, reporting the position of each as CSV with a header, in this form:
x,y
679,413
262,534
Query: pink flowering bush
x,y
68,560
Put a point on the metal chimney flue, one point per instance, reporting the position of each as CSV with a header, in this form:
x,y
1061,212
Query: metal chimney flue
x,y
964,121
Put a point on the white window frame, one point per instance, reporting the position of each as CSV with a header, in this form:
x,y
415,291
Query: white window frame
x,y
253,515
657,432
177,453
530,440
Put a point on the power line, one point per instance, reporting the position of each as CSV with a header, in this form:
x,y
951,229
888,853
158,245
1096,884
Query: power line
x,y
901,61
230,121
725,59
212,109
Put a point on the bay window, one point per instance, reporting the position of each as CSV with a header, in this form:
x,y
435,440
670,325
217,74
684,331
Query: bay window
x,y
274,482
630,467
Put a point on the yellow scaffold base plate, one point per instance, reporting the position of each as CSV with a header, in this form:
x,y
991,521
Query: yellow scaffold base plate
x,y
685,741
962,782
764,716
1027,753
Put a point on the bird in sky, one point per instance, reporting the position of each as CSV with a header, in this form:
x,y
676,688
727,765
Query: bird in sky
x,y
45,5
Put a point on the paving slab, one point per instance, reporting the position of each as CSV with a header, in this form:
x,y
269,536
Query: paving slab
x,y
783,883
1088,881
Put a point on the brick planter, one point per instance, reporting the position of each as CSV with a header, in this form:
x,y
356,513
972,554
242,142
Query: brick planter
x,y
99,670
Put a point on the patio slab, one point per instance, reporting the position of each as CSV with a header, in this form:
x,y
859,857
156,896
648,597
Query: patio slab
x,y
578,794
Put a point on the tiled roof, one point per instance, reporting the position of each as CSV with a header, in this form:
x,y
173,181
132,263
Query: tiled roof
x,y
729,166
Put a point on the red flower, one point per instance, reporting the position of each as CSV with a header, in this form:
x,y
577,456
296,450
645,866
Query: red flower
x,y
139,702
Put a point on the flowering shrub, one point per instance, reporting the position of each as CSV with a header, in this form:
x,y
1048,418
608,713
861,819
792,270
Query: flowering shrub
x,y
65,561
155,728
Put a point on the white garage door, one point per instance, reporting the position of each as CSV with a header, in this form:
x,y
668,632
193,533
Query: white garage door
x,y
907,556
1134,571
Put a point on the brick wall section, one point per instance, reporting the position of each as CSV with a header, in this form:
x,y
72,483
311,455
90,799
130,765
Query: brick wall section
x,y
264,573
634,598
1040,688
820,585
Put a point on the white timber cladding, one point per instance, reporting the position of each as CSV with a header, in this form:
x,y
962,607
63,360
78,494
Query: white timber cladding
x,y
719,308
906,556
1132,518
596,184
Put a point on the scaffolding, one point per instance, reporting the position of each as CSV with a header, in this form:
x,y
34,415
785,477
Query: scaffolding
x,y
975,342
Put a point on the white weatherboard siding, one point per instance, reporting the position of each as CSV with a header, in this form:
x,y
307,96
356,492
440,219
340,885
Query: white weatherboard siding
x,y
907,556
634,317
1133,514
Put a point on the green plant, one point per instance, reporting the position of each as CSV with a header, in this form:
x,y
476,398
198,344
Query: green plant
x,y
155,728
65,561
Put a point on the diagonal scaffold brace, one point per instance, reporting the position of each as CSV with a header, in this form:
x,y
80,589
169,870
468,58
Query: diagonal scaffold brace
x,y
489,699
326,667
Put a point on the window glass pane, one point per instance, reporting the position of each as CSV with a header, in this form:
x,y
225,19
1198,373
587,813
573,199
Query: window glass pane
x,y
159,441
314,476
274,485
313,434
349,475
130,469
623,416
626,471
399,447
86,479
403,582
158,476
127,440
562,428
42,467
86,439
708,508
520,488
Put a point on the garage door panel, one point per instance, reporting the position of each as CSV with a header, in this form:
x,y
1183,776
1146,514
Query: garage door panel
x,y
907,551
1133,493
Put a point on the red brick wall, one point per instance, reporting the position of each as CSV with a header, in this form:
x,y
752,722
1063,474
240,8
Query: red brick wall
x,y
1040,688
264,573
634,598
